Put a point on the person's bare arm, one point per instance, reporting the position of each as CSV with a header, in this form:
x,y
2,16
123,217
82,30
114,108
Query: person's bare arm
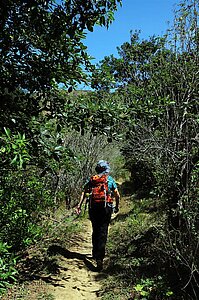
x,y
117,199
81,200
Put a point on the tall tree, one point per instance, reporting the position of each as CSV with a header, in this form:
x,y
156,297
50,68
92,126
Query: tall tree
x,y
41,46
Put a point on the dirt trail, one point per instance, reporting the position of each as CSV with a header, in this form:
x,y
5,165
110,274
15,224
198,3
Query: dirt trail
x,y
78,279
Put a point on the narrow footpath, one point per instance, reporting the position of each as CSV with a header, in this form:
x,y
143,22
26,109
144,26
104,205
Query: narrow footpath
x,y
78,278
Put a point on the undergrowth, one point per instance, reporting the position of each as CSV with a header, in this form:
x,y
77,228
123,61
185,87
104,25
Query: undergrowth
x,y
8,272
59,229
134,265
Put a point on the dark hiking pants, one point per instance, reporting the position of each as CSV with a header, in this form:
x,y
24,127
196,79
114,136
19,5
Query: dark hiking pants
x,y
100,217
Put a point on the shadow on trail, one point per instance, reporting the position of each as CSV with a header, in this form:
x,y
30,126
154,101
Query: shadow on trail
x,y
86,258
55,249
38,268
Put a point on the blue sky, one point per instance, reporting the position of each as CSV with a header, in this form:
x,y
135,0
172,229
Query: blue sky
x,y
149,16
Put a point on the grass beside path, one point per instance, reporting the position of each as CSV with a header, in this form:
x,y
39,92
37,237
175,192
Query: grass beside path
x,y
35,265
133,266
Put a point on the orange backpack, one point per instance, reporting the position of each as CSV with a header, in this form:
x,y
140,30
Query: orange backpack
x,y
99,189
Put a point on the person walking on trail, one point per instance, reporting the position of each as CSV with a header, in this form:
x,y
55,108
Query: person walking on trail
x,y
102,189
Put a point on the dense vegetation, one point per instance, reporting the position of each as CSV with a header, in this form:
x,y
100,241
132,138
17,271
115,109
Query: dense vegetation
x,y
143,113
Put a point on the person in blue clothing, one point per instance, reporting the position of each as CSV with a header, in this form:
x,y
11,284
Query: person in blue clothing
x,y
100,212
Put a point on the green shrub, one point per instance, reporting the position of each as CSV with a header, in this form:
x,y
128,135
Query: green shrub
x,y
8,271
151,288
23,195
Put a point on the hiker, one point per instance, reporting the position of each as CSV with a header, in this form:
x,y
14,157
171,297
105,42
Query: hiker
x,y
101,189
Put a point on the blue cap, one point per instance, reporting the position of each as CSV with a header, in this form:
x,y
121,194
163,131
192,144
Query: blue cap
x,y
102,167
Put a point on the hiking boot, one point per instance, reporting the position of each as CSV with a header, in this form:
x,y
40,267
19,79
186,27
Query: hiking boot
x,y
99,264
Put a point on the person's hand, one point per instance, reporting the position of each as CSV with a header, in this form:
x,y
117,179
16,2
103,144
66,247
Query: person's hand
x,y
116,209
78,210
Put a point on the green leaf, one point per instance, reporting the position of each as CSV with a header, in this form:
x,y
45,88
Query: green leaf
x,y
14,161
59,148
8,132
89,26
